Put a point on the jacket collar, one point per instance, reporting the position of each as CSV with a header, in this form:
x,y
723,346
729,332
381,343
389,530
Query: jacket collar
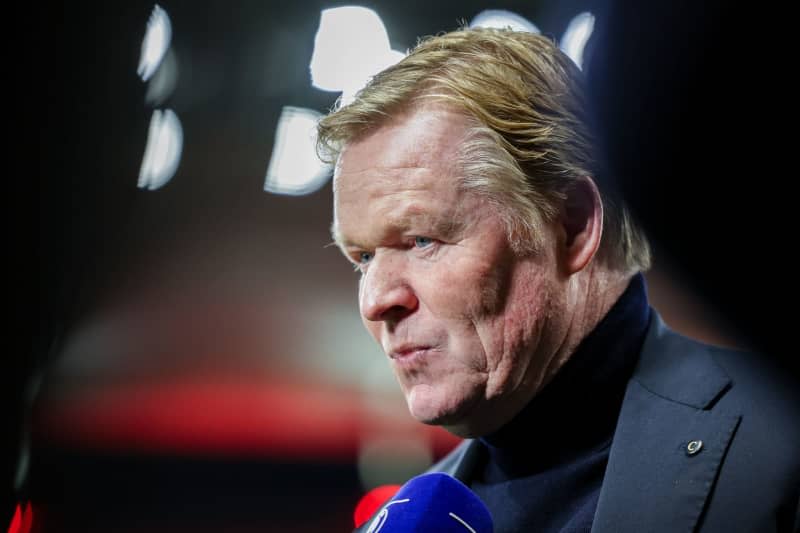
x,y
679,369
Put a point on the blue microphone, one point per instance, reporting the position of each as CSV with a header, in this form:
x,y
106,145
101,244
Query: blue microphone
x,y
433,503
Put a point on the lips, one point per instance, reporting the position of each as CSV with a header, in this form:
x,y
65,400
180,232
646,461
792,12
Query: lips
x,y
406,351
410,357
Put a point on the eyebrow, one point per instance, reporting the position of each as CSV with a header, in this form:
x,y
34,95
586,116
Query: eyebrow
x,y
444,225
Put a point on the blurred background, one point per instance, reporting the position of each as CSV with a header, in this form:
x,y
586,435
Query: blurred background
x,y
197,360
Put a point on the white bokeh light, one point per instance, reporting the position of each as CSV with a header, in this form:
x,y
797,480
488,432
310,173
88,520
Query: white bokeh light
x,y
163,152
294,167
351,46
576,36
500,18
156,41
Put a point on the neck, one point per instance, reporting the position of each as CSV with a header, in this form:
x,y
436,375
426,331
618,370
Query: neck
x,y
589,294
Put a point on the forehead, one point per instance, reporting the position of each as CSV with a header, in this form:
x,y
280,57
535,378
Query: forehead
x,y
427,138
406,168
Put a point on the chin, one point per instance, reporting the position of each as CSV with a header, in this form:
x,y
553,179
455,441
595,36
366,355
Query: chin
x,y
435,410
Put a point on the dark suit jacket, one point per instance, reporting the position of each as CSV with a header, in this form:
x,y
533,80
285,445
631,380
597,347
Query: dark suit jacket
x,y
745,476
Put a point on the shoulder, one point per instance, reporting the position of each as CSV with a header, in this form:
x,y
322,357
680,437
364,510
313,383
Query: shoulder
x,y
710,377
760,470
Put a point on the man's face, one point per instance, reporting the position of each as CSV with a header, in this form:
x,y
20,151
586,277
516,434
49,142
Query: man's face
x,y
467,325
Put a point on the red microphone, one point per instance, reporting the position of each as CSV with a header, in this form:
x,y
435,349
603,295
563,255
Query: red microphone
x,y
372,501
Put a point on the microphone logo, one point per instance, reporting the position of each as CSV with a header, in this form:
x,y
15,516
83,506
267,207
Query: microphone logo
x,y
378,522
380,519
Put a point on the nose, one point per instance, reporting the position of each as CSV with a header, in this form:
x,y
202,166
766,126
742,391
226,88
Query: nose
x,y
385,292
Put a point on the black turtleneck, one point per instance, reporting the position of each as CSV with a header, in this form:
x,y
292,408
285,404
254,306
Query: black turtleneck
x,y
544,469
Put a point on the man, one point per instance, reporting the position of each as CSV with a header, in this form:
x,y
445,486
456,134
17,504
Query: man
x,y
503,281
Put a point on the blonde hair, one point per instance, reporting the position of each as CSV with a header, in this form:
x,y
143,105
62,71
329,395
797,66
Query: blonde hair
x,y
529,139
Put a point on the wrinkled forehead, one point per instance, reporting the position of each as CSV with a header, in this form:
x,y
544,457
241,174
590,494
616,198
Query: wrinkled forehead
x,y
429,137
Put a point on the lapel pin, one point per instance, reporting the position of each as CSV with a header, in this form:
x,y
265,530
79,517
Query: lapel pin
x,y
693,447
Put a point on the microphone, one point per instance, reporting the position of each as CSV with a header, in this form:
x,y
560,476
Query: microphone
x,y
433,503
371,502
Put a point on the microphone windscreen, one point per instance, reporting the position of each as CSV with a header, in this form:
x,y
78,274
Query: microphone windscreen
x,y
433,503
371,502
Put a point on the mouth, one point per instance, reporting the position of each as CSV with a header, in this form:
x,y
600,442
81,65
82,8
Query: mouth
x,y
409,354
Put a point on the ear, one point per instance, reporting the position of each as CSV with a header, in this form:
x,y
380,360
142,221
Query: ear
x,y
582,223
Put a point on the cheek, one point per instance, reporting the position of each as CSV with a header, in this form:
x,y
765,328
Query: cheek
x,y
521,350
464,290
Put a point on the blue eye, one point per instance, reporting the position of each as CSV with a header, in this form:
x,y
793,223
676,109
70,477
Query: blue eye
x,y
364,257
422,242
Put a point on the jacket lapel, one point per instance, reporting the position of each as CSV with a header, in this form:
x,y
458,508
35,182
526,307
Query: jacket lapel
x,y
655,481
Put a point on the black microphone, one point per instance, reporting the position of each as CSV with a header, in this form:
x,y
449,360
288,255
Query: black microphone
x,y
433,503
